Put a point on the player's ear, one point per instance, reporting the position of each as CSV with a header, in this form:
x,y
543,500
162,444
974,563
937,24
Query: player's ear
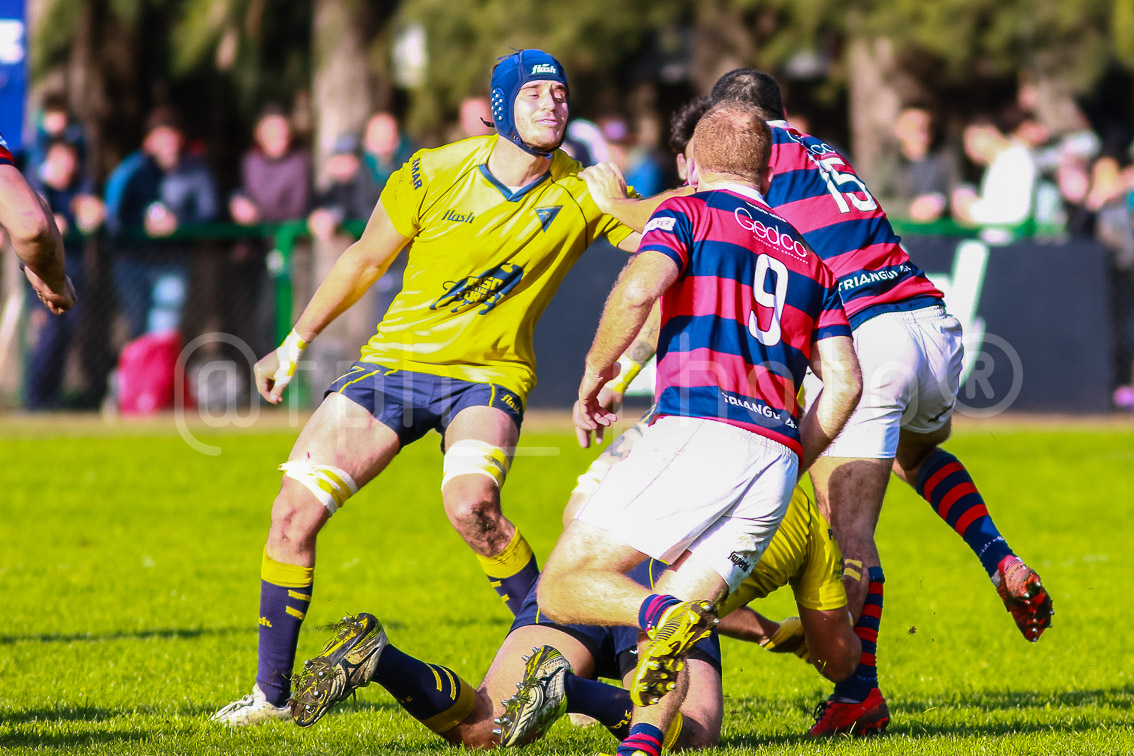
x,y
682,168
765,180
692,177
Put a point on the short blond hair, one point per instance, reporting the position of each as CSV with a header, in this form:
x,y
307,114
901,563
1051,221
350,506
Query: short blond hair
x,y
733,139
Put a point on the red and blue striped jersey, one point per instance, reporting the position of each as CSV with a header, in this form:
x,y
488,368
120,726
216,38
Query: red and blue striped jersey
x,y
740,321
819,193
5,156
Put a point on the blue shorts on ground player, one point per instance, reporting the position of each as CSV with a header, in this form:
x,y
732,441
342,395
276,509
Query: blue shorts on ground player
x,y
411,404
615,649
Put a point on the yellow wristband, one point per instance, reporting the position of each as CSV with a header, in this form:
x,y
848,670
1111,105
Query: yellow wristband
x,y
629,372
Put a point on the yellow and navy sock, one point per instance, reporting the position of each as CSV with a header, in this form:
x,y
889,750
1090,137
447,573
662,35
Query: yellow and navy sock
x,y
643,737
512,572
610,706
285,594
945,483
865,678
651,610
434,695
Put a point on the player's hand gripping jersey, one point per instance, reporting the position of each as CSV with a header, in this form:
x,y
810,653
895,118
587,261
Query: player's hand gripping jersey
x,y
818,192
484,262
739,324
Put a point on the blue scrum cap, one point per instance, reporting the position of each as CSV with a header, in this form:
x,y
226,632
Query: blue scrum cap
x,y
511,73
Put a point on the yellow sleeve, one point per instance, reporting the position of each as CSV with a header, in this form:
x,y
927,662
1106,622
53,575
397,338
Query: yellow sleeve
x,y
819,585
403,196
614,231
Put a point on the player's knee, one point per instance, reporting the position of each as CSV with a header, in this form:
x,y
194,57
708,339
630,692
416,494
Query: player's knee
x,y
475,513
699,728
837,667
296,517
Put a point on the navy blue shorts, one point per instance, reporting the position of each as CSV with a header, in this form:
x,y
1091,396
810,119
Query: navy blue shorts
x,y
411,404
615,649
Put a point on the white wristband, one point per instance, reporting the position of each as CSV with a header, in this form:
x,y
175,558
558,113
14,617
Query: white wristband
x,y
288,354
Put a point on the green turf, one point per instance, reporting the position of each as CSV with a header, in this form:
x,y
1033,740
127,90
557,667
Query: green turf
x,y
129,565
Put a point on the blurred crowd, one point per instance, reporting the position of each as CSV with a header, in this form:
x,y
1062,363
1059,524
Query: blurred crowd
x,y
1011,176
1004,172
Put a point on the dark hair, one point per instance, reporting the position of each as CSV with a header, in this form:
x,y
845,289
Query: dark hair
x,y
272,110
754,88
61,142
684,121
163,117
55,101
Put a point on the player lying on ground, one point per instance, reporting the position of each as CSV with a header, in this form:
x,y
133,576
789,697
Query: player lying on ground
x,y
495,223
527,695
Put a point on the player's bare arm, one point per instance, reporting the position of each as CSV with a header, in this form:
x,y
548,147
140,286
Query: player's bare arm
x,y
36,240
636,356
638,288
350,277
836,364
608,189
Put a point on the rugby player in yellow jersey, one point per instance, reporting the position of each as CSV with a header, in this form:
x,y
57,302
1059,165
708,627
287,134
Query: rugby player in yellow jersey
x,y
495,223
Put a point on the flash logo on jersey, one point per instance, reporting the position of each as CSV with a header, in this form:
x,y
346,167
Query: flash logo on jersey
x,y
489,288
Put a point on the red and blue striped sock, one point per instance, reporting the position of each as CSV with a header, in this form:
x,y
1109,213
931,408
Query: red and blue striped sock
x,y
945,483
865,678
643,737
653,608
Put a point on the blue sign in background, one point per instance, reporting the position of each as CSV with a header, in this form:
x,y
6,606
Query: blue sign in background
x,y
13,71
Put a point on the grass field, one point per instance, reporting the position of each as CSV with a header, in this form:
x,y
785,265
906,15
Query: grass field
x,y
129,570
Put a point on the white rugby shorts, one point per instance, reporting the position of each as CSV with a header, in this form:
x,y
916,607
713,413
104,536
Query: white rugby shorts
x,y
911,372
700,485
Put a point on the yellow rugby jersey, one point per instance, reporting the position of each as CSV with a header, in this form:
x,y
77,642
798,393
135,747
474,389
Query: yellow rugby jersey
x,y
802,554
483,264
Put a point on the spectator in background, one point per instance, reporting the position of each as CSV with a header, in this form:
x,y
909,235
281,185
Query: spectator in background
x,y
149,196
648,169
384,149
585,142
349,196
1070,162
55,123
475,118
922,173
1111,196
275,176
60,181
1008,186
275,187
